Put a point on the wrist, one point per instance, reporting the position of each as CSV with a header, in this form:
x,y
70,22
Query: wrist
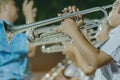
x,y
29,20
74,33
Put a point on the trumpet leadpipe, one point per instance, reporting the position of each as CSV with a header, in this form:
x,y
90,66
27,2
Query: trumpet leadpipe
x,y
22,28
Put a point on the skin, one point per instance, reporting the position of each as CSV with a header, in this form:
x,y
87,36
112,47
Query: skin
x,y
93,56
9,11
73,54
71,50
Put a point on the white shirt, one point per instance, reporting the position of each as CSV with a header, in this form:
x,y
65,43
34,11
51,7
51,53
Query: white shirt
x,y
112,48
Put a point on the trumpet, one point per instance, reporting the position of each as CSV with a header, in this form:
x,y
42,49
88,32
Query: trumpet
x,y
50,40
23,28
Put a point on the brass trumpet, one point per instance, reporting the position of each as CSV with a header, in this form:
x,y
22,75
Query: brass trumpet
x,y
47,36
22,28
50,40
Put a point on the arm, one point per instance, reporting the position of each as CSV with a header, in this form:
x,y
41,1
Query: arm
x,y
73,53
100,57
88,51
92,55
30,15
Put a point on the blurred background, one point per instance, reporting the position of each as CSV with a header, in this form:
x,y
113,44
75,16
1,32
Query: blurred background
x,y
41,62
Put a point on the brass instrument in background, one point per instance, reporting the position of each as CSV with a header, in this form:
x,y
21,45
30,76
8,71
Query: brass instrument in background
x,y
55,71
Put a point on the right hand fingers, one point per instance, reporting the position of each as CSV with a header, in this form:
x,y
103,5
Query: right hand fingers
x,y
34,11
26,3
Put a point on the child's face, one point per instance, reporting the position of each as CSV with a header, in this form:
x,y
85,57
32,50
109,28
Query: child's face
x,y
12,10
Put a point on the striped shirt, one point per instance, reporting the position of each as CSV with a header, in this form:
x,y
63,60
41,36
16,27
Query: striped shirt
x,y
112,48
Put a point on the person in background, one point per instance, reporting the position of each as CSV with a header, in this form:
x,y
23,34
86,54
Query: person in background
x,y
14,63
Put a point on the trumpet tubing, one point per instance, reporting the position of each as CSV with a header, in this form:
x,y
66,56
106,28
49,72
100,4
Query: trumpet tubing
x,y
22,28
47,36
50,40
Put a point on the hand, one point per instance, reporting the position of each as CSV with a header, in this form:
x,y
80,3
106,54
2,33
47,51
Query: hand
x,y
28,11
72,9
70,51
32,50
68,26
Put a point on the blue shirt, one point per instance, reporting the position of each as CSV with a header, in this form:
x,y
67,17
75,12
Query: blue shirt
x,y
13,56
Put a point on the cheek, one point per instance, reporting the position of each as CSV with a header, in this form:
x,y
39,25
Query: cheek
x,y
13,14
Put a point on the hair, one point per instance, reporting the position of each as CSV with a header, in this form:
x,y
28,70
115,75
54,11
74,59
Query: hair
x,y
3,1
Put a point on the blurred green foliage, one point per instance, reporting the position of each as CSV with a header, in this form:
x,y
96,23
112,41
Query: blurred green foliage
x,y
50,8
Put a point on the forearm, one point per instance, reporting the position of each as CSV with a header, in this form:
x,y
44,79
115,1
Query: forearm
x,y
92,55
29,20
85,48
84,66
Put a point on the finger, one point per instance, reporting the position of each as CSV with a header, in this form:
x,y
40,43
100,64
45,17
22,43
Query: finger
x,y
34,9
59,14
65,51
25,2
76,17
70,9
80,22
65,10
58,29
74,8
34,15
66,44
34,12
80,16
31,3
